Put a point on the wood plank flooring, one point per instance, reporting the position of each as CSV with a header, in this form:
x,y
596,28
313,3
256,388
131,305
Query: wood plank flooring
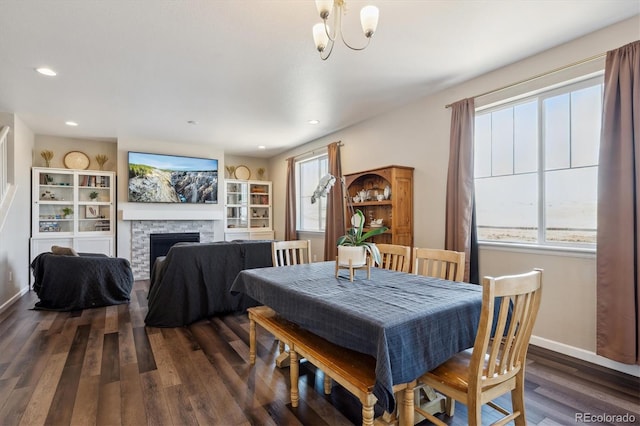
x,y
103,366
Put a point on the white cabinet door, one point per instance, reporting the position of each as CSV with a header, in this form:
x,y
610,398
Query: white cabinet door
x,y
94,245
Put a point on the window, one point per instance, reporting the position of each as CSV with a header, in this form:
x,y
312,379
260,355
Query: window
x,y
536,167
311,217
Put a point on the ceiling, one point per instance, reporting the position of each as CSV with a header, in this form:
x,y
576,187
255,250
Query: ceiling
x,y
247,71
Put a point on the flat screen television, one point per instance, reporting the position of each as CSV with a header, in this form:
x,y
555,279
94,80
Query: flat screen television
x,y
159,178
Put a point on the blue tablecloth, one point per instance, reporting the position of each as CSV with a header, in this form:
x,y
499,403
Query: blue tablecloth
x,y
409,323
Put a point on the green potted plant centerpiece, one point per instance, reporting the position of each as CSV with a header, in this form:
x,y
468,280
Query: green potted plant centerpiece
x,y
93,195
354,245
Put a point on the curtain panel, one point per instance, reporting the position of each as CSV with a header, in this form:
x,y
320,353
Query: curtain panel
x,y
618,254
335,223
460,233
290,232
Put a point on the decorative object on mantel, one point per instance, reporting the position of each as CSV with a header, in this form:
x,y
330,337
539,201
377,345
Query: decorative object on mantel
x,y
47,155
242,173
261,171
325,37
101,159
76,160
231,170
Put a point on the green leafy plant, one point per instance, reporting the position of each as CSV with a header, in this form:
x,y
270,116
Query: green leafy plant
x,y
93,195
356,237
67,211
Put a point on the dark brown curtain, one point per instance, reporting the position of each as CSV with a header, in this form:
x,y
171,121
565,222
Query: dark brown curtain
x,y
335,209
460,234
290,232
618,254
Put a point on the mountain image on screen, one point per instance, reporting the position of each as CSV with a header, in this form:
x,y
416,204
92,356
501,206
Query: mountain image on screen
x,y
162,184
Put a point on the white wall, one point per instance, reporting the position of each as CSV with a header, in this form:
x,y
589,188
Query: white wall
x,y
14,236
163,147
62,145
417,135
252,163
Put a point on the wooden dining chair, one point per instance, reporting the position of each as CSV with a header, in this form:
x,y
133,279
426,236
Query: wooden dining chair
x,y
294,252
395,257
445,264
284,253
495,365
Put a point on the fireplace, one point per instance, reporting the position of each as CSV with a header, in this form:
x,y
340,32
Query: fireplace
x,y
141,231
161,243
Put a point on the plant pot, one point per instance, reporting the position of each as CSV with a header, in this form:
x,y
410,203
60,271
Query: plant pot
x,y
357,255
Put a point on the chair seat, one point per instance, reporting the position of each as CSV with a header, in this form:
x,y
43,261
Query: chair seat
x,y
455,371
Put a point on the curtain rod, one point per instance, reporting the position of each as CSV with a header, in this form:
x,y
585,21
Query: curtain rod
x,y
313,151
535,77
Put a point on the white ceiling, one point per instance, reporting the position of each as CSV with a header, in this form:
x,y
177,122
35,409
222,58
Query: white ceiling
x,y
247,70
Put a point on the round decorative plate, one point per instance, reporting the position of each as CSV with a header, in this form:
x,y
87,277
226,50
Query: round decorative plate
x,y
242,172
76,160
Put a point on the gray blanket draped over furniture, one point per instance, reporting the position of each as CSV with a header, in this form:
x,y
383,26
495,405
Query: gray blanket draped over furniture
x,y
192,282
67,283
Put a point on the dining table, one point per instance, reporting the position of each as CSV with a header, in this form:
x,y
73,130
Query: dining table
x,y
409,323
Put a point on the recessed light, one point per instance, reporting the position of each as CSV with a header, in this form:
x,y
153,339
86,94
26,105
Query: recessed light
x,y
262,147
71,123
314,122
47,71
192,122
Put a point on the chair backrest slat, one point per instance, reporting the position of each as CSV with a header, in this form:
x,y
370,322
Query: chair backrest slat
x,y
295,252
395,257
502,341
445,264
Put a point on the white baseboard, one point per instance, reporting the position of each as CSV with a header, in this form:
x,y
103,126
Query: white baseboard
x,y
17,296
585,355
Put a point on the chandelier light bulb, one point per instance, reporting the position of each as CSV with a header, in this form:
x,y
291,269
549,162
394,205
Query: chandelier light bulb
x,y
369,20
320,37
324,8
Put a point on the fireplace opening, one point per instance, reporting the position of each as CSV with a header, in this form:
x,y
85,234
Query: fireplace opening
x,y
161,243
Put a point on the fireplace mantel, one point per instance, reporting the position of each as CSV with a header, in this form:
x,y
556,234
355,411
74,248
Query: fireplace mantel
x,y
179,212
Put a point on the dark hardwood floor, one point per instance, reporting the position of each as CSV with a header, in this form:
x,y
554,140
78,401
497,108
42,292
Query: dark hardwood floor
x,y
103,366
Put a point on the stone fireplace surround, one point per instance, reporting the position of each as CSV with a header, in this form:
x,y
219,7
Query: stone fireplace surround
x,y
140,239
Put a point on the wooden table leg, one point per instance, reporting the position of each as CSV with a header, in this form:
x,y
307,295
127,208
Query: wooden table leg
x,y
407,413
367,410
294,372
327,384
252,341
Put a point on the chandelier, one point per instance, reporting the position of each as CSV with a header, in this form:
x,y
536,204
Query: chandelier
x,y
324,36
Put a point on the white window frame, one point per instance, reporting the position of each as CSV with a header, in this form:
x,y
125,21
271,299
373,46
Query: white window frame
x,y
540,95
303,198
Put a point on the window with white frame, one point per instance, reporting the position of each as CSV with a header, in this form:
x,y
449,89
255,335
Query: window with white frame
x,y
311,217
536,167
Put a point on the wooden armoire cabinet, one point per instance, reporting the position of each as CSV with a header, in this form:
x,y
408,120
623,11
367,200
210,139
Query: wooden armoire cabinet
x,y
385,193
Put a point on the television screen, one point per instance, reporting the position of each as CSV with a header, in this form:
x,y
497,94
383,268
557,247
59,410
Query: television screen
x,y
158,178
